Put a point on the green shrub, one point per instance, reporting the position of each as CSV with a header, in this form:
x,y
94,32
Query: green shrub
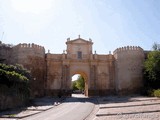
x,y
150,92
153,92
156,93
14,80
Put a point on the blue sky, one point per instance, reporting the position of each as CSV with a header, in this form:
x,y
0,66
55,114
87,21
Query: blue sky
x,y
109,23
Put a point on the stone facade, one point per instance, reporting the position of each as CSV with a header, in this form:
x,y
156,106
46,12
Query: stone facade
x,y
117,73
128,68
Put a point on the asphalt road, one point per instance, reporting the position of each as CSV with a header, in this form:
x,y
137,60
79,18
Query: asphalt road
x,y
74,108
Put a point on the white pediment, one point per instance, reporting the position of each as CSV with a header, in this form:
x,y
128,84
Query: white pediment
x,y
79,41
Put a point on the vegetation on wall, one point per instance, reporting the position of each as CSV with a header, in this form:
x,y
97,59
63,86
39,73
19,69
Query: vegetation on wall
x,y
152,71
14,82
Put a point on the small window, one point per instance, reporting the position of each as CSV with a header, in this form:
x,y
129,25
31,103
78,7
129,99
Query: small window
x,y
79,55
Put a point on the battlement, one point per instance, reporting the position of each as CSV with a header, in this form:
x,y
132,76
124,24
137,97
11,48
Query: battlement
x,y
25,45
128,48
23,50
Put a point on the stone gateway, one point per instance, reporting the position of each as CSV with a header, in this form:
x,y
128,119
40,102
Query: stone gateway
x,y
117,73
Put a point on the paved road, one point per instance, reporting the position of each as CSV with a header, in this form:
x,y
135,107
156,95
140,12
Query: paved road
x,y
74,108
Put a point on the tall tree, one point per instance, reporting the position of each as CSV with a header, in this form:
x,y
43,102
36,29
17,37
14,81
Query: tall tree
x,y
156,46
74,85
80,84
152,68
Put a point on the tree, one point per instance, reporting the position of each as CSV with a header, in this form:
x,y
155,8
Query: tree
x,y
80,84
156,46
152,69
74,85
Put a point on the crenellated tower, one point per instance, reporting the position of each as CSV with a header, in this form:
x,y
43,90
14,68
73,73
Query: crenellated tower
x,y
128,68
104,74
32,57
21,52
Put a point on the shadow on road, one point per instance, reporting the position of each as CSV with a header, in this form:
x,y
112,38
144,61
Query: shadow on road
x,y
33,107
81,98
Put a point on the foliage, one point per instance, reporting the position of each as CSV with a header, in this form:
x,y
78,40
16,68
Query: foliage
x,y
156,46
79,84
156,93
14,81
16,69
74,85
152,70
153,92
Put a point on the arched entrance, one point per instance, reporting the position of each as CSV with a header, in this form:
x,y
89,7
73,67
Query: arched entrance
x,y
84,75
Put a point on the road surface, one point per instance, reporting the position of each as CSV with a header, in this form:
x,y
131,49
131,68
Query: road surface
x,y
74,108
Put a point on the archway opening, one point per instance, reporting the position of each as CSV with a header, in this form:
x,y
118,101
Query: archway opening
x,y
78,85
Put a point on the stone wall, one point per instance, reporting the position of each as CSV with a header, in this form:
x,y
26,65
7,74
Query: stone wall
x,y
54,73
5,53
20,52
7,102
32,57
128,68
103,75
106,74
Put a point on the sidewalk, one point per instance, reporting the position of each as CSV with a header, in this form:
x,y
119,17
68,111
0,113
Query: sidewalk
x,y
38,105
128,108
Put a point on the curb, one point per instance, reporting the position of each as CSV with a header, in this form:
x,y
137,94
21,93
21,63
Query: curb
x,y
21,117
92,115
